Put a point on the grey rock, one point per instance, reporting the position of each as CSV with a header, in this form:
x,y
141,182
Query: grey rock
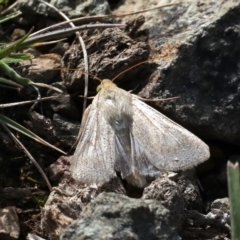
x,y
66,202
168,193
14,193
62,207
65,131
214,218
110,52
73,8
63,104
17,34
9,224
216,223
196,52
60,48
114,216
41,125
221,204
187,184
59,170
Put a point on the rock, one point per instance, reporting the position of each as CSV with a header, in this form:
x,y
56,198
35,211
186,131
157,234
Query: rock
x,y
223,205
72,9
187,184
40,68
14,193
41,125
216,223
66,202
60,48
115,53
65,130
195,48
62,207
168,193
114,216
63,104
9,224
17,34
214,218
59,170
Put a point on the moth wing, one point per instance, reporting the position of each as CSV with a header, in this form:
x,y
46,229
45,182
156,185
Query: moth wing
x,y
123,158
94,157
124,163
141,160
167,145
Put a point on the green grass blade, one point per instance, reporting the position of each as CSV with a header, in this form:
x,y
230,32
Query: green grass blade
x,y
7,49
10,83
21,80
17,57
13,74
234,197
10,16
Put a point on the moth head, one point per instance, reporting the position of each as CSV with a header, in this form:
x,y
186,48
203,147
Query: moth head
x,y
104,84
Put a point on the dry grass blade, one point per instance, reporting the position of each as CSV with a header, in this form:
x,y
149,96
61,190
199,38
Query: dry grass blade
x,y
48,43
10,8
64,32
10,123
7,105
29,155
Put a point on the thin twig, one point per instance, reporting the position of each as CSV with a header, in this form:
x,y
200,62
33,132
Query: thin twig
x,y
29,155
85,57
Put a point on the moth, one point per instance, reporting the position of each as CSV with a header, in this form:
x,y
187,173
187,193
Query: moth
x,y
121,133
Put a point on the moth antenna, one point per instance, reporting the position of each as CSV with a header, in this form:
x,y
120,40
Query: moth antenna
x,y
129,69
74,69
156,100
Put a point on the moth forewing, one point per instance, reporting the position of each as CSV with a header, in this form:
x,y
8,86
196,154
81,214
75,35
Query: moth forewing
x,y
168,145
94,157
122,133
